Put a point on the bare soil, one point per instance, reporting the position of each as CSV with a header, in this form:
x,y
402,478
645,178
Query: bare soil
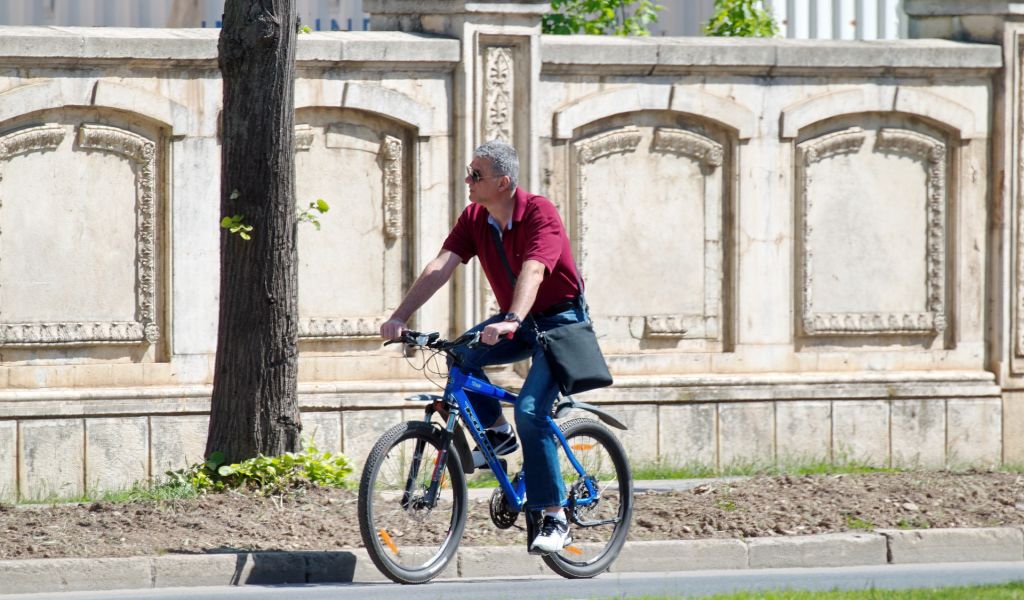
x,y
322,520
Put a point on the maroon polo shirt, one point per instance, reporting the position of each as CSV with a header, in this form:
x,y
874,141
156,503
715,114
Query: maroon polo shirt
x,y
537,233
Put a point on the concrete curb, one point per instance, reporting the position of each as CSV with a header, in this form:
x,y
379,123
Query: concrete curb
x,y
346,566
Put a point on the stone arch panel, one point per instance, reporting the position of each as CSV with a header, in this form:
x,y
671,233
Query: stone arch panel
x,y
352,270
80,204
648,215
873,231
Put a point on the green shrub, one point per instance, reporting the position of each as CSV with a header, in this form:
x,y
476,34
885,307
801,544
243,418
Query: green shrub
x,y
600,17
267,474
741,18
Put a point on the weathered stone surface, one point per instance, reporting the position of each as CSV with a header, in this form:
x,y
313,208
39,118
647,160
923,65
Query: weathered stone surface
x,y
324,428
918,434
1013,428
828,550
955,545
640,445
746,433
360,431
975,432
52,461
8,460
116,452
803,431
688,434
860,431
178,441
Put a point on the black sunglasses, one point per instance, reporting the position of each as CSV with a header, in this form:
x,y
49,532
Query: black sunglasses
x,y
475,175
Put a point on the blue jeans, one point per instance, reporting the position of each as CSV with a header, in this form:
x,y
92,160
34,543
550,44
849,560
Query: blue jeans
x,y
544,485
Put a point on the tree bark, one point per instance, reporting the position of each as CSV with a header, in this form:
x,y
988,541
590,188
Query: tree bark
x,y
254,409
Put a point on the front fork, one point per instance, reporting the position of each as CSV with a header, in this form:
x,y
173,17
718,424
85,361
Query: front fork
x,y
437,476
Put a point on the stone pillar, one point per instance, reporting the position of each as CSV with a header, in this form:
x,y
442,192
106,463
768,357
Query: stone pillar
x,y
996,22
495,96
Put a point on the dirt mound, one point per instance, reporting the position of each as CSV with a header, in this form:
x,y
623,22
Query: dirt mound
x,y
322,520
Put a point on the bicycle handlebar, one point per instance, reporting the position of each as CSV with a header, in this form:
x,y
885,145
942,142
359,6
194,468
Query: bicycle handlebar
x,y
417,339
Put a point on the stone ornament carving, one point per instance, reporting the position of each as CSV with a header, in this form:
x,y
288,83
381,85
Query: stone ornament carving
x,y
340,328
304,135
142,152
709,156
932,153
390,154
391,159
499,79
686,143
33,139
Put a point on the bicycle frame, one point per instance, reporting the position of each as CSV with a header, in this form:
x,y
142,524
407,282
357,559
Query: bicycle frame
x,y
515,494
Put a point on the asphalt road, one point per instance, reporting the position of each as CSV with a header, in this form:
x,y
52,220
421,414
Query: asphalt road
x,y
691,584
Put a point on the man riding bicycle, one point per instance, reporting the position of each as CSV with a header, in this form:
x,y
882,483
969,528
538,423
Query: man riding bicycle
x,y
525,254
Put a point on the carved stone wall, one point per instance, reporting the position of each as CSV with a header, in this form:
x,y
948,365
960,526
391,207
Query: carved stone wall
x,y
648,205
873,233
791,250
352,268
94,201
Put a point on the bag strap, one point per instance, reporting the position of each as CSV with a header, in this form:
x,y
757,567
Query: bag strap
x,y
501,250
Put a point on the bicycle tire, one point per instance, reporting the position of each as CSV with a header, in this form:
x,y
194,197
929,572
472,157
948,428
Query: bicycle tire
x,y
599,556
381,545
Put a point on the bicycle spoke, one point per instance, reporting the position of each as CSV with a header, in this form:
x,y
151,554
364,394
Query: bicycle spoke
x,y
411,535
602,516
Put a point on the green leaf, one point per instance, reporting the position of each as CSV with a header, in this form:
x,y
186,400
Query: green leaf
x,y
216,457
226,470
225,222
322,206
234,194
244,236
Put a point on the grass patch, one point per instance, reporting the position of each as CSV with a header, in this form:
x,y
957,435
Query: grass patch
x,y
663,470
139,492
858,523
1008,591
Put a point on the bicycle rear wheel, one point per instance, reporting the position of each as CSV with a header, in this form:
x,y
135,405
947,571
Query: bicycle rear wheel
x,y
410,539
599,524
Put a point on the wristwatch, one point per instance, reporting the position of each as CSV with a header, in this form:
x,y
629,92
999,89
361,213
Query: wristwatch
x,y
511,316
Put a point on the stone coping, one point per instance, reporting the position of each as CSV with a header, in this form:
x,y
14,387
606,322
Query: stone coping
x,y
674,54
559,53
996,544
77,44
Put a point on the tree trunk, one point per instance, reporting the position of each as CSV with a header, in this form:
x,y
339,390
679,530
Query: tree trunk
x,y
254,409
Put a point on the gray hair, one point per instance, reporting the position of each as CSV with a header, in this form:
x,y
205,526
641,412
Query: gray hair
x,y
503,157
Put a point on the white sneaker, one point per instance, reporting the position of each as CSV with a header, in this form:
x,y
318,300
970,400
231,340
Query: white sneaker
x,y
553,536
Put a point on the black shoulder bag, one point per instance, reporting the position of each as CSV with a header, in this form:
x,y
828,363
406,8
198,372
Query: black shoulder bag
x,y
571,350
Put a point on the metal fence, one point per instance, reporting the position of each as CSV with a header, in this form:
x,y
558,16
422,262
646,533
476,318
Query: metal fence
x,y
804,19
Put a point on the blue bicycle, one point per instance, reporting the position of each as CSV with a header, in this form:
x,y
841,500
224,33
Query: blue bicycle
x,y
413,495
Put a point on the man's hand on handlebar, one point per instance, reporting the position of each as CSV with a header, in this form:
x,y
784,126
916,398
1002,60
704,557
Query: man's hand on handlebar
x,y
392,329
494,332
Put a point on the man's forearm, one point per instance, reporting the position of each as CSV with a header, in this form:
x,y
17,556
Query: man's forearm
x,y
530,278
434,276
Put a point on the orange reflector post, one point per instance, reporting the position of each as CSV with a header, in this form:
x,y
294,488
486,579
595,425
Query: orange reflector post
x,y
387,540
582,447
573,550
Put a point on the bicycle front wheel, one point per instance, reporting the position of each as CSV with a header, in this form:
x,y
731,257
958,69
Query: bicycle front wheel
x,y
410,536
599,522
